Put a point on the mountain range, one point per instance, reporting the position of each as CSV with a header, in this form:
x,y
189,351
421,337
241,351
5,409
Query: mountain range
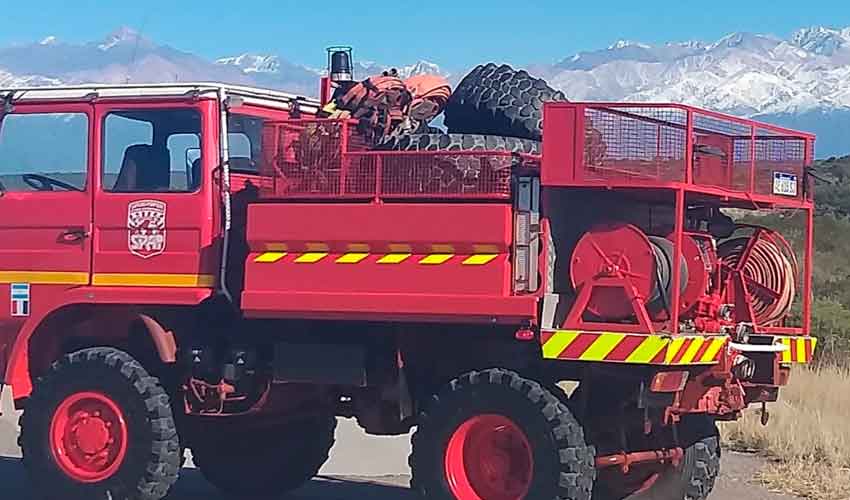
x,y
801,82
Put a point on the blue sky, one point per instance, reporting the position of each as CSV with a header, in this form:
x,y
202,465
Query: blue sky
x,y
453,33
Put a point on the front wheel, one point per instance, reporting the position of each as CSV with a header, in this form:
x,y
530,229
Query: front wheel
x,y
99,427
494,435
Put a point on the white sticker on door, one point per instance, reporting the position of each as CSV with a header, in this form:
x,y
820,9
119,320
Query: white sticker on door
x,y
146,235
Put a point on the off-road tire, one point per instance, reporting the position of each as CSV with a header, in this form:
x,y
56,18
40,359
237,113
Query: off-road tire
x,y
563,463
152,461
458,142
264,461
500,100
695,477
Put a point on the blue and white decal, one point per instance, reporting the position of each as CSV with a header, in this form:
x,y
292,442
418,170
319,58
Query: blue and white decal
x,y
20,293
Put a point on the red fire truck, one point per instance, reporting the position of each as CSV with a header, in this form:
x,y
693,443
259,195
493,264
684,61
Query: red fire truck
x,y
228,270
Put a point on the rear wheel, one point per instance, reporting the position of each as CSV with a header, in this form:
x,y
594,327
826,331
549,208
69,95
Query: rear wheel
x,y
98,426
263,461
695,476
692,479
493,435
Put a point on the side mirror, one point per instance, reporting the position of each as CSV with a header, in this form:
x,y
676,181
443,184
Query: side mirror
x,y
6,107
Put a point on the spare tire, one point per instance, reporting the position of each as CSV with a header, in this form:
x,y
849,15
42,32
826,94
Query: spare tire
x,y
451,174
500,100
458,142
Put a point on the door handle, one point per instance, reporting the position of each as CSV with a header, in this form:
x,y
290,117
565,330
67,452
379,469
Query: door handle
x,y
73,235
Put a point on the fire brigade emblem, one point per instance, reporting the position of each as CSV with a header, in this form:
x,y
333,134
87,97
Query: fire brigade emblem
x,y
146,228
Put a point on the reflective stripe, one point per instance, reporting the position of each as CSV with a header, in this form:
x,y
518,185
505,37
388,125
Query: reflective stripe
x,y
394,258
558,343
633,348
163,280
310,257
270,257
711,353
798,349
351,258
479,260
691,353
602,347
647,350
436,258
801,350
44,277
673,349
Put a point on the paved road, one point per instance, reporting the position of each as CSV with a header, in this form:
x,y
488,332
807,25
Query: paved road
x,y
362,468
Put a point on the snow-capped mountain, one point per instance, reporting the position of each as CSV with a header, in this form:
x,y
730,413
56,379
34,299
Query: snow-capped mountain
x,y
741,73
802,81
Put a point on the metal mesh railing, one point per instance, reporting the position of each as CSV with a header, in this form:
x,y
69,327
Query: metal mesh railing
x,y
634,144
646,144
328,159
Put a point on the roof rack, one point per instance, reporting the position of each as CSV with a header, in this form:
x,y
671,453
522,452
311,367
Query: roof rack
x,y
250,95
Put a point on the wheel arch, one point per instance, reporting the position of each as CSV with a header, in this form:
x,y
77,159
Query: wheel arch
x,y
74,326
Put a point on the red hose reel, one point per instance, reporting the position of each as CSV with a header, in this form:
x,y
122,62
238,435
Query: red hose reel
x,y
622,275
761,271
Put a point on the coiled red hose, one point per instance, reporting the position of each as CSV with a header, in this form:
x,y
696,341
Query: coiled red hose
x,y
769,270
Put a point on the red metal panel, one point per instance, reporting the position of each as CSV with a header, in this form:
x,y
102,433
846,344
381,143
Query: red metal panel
x,y
559,143
389,307
419,225
437,246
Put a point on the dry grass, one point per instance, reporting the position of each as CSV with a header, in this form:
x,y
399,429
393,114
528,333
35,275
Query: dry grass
x,y
808,438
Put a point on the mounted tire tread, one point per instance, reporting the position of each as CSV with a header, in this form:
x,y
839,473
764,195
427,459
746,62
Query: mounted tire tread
x,y
153,462
572,458
499,100
459,142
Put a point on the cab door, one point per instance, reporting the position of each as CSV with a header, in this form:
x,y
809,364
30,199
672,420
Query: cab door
x,y
45,210
154,209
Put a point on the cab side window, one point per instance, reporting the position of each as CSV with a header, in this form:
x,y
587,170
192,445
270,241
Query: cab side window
x,y
245,142
152,151
44,152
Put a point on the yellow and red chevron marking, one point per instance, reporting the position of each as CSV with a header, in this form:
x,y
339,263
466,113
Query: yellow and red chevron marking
x,y
799,349
360,253
612,347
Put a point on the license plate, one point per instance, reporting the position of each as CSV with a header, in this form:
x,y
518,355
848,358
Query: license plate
x,y
784,184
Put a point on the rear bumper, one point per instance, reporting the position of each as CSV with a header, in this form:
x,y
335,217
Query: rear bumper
x,y
667,350
633,348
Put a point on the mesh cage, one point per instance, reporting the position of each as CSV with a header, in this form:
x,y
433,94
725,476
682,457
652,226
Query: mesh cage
x,y
777,159
646,144
330,159
634,144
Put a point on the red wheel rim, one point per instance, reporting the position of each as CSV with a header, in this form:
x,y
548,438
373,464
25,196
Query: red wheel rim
x,y
489,458
88,437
